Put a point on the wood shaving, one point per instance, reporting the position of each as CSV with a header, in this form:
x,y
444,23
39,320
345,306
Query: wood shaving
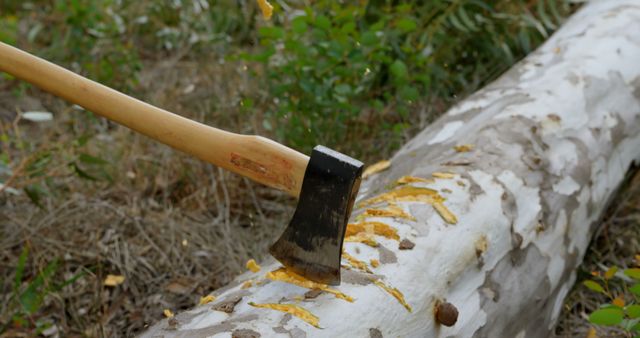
x,y
394,292
481,245
356,263
463,148
405,194
412,179
295,310
443,175
266,8
362,238
374,263
167,313
206,299
444,212
247,284
377,228
376,168
113,280
390,211
287,276
252,265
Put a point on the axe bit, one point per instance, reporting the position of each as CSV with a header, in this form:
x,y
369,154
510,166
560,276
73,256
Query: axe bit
x,y
326,184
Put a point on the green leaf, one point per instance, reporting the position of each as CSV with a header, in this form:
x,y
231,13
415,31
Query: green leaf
x,y
369,38
406,25
20,268
409,93
271,32
610,272
83,174
633,273
323,22
635,289
607,317
633,311
299,25
31,299
35,193
399,70
593,285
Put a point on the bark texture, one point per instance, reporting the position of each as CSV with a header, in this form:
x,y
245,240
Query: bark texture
x,y
497,228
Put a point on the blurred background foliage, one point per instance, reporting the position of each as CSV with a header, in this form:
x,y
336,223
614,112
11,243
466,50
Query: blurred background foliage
x,y
332,72
85,197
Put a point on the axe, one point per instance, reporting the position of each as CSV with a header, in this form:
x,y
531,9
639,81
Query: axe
x,y
326,183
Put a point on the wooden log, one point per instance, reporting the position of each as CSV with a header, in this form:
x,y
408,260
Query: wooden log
x,y
482,219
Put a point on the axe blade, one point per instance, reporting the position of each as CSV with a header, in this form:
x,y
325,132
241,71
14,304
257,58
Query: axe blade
x,y
311,245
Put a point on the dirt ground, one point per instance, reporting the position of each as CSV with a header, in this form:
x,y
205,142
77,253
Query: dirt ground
x,y
177,228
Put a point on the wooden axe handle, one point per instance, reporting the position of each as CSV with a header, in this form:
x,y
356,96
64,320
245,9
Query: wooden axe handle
x,y
255,157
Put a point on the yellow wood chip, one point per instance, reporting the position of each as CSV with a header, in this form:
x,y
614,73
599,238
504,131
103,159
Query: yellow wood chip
x,y
405,193
375,263
443,175
252,265
287,276
376,168
355,263
637,260
463,148
207,299
113,280
247,284
391,211
362,238
394,292
168,313
266,8
295,310
378,228
444,212
592,333
412,179
481,245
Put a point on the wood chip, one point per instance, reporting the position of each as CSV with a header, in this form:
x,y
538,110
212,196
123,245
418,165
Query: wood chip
x,y
252,265
376,168
356,263
206,299
443,175
377,228
113,280
266,8
390,211
405,193
295,310
463,148
167,313
394,292
444,212
287,276
362,238
374,263
412,179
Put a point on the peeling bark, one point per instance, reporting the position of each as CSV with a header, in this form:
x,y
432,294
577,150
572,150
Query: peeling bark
x,y
526,166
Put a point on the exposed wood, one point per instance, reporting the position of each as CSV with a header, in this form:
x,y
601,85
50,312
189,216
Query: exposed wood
x,y
499,238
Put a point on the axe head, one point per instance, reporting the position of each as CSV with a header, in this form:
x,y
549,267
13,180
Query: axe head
x,y
312,244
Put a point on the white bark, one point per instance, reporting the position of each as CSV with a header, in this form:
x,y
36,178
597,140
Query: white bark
x,y
553,139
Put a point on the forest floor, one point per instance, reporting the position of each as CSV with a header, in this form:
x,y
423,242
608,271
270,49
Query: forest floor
x,y
174,227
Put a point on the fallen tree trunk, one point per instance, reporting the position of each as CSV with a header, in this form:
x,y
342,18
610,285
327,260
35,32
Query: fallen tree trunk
x,y
486,213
